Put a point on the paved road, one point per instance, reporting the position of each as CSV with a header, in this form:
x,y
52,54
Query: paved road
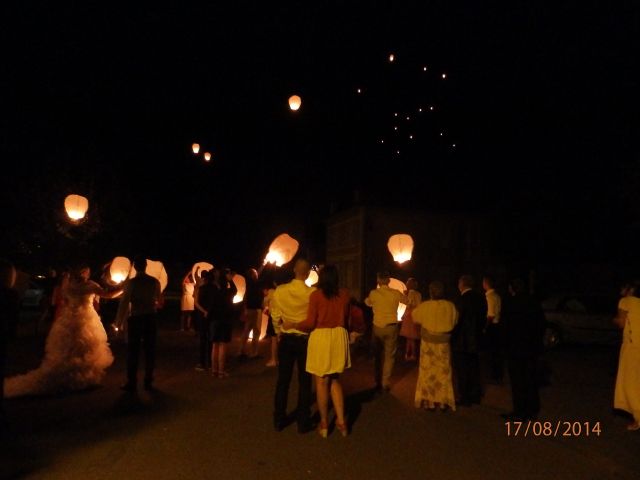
x,y
198,427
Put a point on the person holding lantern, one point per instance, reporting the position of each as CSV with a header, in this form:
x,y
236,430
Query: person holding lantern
x,y
385,301
77,352
410,330
187,303
219,312
141,298
253,303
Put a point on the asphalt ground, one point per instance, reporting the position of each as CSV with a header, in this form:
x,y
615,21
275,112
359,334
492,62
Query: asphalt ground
x,y
199,427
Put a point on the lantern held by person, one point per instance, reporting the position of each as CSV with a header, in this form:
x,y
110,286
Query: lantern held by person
x,y
282,250
402,288
294,102
312,279
76,207
401,247
119,269
200,267
241,285
156,270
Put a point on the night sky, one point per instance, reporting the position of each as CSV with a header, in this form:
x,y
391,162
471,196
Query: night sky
x,y
540,103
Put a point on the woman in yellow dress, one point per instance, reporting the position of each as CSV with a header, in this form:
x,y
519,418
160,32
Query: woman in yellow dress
x,y
437,317
627,393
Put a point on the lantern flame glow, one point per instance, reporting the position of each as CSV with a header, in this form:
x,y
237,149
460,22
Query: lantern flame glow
x,y
294,102
119,269
312,279
401,247
241,285
207,156
401,287
76,207
196,148
282,250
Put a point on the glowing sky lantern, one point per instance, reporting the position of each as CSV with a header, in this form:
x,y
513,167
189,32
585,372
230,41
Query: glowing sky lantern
x,y
76,207
200,267
207,156
294,102
156,270
312,279
282,250
196,148
119,269
401,287
392,57
241,285
401,247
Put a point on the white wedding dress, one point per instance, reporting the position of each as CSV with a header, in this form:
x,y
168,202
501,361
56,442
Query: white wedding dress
x,y
77,352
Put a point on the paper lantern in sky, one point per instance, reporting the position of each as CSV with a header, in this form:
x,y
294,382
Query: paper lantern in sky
x,y
200,267
241,285
156,270
282,250
119,269
207,156
76,207
294,102
401,247
196,148
312,279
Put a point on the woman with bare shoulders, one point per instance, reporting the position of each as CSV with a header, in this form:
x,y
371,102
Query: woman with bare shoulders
x,y
76,351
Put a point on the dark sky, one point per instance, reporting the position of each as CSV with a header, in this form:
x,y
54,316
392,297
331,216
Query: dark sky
x,y
106,101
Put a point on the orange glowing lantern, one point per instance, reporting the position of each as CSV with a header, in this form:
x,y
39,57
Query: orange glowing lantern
x,y
200,267
241,285
401,247
207,156
196,148
282,250
76,207
312,279
401,287
119,269
156,270
294,102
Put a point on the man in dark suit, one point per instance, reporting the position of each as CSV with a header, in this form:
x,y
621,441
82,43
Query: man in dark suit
x,y
465,341
142,296
525,325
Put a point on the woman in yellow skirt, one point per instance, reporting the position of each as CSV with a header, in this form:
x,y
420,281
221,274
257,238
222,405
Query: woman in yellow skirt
x,y
328,350
627,393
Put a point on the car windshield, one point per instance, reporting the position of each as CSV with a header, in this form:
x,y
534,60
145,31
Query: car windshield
x,y
589,304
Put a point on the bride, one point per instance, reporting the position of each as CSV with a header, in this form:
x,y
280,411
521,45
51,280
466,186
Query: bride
x,y
76,350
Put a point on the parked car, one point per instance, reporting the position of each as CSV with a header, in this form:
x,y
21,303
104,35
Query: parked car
x,y
580,319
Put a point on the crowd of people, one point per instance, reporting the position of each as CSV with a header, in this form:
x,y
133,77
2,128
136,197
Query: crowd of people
x,y
311,330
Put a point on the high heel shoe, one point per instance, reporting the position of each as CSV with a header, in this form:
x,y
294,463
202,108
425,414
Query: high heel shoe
x,y
323,430
342,428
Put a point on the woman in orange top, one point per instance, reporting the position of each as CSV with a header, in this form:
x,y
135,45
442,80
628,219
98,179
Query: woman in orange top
x,y
328,350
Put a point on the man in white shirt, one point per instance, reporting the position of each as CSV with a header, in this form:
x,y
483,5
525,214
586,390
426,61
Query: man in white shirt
x,y
290,303
384,301
493,330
